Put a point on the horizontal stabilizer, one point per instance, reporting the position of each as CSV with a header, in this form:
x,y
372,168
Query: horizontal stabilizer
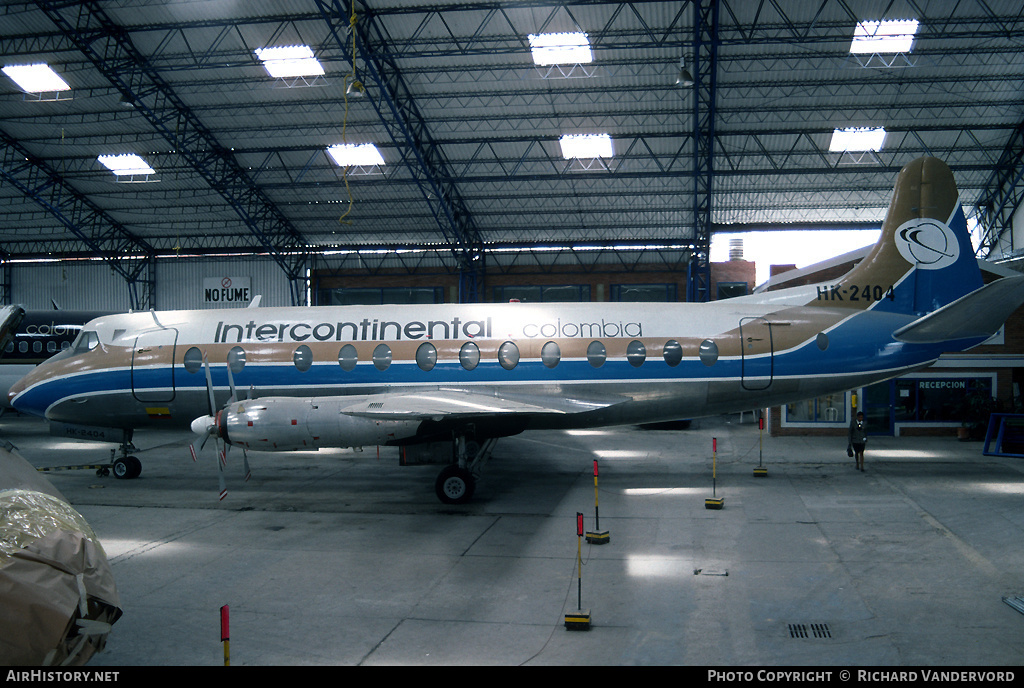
x,y
978,314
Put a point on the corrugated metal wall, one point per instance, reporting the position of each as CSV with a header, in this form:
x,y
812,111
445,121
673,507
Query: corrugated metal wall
x,y
179,284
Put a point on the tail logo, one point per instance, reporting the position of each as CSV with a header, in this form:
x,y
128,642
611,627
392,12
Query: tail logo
x,y
927,243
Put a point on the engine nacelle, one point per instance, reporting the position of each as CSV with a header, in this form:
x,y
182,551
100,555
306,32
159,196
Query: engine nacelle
x,y
295,424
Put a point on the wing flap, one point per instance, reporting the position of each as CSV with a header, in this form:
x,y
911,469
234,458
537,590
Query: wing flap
x,y
443,403
978,314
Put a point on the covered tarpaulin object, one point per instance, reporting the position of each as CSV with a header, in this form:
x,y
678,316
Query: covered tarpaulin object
x,y
57,593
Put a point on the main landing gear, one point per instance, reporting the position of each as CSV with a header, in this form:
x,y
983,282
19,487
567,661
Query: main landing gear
x,y
124,467
457,481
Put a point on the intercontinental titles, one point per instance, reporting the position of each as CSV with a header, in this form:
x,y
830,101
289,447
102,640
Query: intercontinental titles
x,y
377,329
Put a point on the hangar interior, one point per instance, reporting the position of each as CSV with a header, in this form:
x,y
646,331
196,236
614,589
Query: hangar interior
x,y
540,151
191,154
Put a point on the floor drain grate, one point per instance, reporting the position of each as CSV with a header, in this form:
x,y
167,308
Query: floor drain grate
x,y
809,631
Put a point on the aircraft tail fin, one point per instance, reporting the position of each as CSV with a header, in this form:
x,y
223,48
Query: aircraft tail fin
x,y
924,259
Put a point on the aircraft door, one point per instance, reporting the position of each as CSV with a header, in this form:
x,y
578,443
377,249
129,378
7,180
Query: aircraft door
x,y
757,354
153,365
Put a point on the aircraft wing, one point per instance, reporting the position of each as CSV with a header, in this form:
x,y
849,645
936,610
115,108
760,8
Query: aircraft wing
x,y
978,314
443,403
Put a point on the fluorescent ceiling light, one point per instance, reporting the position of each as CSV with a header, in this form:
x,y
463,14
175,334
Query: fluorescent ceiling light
x,y
586,146
857,139
128,163
36,78
884,36
346,154
289,61
560,48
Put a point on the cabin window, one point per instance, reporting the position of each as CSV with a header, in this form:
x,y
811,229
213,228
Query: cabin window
x,y
469,355
426,356
708,352
822,341
550,354
193,360
9,349
347,358
508,355
636,353
382,357
596,354
303,358
37,347
673,353
51,347
236,359
23,347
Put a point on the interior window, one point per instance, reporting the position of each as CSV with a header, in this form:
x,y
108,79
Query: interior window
x,y
469,355
303,358
426,356
673,353
347,358
193,360
236,359
508,355
636,353
550,354
382,357
708,352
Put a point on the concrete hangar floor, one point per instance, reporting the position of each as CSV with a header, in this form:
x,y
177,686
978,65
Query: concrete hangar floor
x,y
347,558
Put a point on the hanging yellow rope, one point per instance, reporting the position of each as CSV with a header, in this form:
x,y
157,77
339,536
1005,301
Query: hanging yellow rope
x,y
358,87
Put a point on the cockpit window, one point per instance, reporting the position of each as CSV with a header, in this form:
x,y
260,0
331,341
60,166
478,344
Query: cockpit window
x,y
86,341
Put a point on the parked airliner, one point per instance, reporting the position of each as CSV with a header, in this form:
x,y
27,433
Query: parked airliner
x,y
465,375
33,338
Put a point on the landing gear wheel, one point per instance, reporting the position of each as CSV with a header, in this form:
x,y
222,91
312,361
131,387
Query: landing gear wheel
x,y
121,469
455,485
126,468
135,467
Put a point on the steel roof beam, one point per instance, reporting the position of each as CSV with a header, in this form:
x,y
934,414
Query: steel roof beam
x,y
104,236
111,51
406,126
1002,197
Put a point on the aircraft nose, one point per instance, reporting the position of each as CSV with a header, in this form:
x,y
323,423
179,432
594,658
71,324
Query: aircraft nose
x,y
16,389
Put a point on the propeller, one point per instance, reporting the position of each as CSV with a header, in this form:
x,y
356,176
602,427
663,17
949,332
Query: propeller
x,y
209,426
231,400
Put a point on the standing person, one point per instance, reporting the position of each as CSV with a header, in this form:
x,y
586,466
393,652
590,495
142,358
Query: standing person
x,y
858,437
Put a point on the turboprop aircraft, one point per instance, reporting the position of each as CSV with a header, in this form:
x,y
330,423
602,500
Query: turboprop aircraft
x,y
464,375
33,338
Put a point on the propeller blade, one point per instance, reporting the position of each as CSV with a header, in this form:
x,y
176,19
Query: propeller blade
x,y
209,385
245,464
231,384
220,475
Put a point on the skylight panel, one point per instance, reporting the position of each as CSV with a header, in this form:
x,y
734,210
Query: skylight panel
x,y
126,164
560,48
586,146
290,61
857,139
36,78
891,36
349,154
